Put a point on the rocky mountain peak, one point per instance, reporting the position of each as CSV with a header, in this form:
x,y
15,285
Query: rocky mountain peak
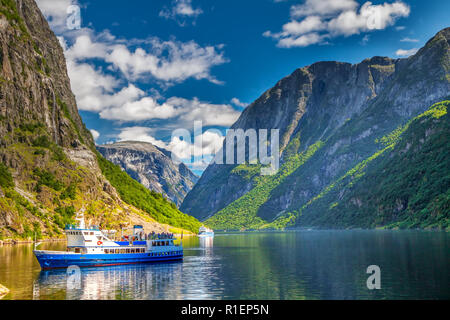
x,y
151,166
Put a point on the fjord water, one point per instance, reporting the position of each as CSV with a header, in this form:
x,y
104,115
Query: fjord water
x,y
303,264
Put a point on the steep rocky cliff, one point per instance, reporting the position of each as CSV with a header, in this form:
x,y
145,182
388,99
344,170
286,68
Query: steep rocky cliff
x,y
49,168
151,166
330,115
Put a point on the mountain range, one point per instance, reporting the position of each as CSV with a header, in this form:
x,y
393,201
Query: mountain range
x,y
361,145
152,167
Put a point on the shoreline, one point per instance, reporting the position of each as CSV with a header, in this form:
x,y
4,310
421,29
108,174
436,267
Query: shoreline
x,y
13,242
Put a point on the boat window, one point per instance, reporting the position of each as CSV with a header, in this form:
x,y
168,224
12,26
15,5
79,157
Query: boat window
x,y
77,250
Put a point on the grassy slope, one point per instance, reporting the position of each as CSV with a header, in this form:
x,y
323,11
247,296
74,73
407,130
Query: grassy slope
x,y
243,211
153,203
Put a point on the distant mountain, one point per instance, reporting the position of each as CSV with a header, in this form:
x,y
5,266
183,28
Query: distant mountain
x,y
49,168
151,166
332,117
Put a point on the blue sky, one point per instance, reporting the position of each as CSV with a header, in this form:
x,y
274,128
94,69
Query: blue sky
x,y
140,69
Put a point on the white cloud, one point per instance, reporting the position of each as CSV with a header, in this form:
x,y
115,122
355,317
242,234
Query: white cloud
x,y
211,142
239,103
104,91
322,7
301,41
55,12
180,11
100,92
311,23
409,40
180,111
140,134
210,114
369,17
326,19
95,134
144,109
168,61
406,53
85,48
365,40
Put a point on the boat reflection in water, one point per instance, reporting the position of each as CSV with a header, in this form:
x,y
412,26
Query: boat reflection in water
x,y
206,242
158,281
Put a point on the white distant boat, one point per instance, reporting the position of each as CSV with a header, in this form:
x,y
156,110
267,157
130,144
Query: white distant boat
x,y
205,232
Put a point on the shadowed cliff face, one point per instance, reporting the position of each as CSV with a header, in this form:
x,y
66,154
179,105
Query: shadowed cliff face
x,y
152,167
340,107
49,168
34,77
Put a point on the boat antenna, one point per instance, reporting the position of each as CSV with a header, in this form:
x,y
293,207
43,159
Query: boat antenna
x,y
36,244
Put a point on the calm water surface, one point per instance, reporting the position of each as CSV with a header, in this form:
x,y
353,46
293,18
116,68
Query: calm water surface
x,y
290,265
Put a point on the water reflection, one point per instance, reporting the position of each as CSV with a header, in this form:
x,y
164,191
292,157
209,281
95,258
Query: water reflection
x,y
206,242
151,281
291,265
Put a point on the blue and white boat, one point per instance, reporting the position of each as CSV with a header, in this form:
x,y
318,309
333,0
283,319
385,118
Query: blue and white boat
x,y
91,247
205,232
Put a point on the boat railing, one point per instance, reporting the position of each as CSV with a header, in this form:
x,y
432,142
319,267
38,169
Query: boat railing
x,y
75,227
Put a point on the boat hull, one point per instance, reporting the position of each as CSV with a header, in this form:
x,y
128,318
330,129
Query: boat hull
x,y
62,260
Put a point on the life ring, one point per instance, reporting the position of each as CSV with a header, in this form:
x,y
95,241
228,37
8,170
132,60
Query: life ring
x,y
99,243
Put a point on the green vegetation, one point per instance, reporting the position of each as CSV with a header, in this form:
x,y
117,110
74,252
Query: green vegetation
x,y
404,185
69,193
42,141
132,192
64,216
6,180
8,8
48,179
242,213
